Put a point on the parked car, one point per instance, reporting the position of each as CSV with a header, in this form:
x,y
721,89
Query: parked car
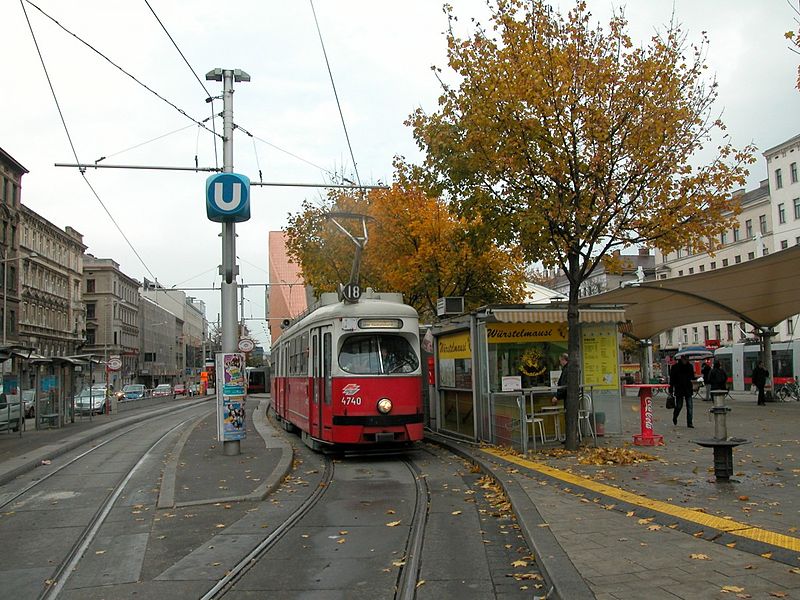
x,y
180,389
9,412
29,400
162,389
133,391
92,401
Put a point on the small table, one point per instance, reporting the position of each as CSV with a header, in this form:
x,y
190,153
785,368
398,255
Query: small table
x,y
647,437
554,411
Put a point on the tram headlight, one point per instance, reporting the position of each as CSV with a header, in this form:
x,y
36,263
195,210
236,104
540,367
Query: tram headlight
x,y
384,406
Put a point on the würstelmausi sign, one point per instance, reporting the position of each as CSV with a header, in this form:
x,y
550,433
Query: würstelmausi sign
x,y
498,333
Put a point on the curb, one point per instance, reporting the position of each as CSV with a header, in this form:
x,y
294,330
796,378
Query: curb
x,y
272,481
562,578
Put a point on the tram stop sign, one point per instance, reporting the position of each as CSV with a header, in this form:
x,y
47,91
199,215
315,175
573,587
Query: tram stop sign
x,y
228,198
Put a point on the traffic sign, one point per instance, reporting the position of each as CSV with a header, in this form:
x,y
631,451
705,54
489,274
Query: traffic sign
x,y
228,198
246,345
114,363
351,292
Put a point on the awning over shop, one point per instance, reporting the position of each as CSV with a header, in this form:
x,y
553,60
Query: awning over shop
x,y
762,292
556,315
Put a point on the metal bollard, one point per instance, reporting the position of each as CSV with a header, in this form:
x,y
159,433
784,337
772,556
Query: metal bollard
x,y
721,444
720,412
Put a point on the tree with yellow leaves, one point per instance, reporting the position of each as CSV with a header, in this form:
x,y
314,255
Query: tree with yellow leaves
x,y
565,139
416,246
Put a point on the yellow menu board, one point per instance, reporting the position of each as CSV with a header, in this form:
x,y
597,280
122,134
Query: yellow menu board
x,y
600,350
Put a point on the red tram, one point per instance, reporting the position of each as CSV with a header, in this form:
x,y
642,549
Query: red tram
x,y
348,374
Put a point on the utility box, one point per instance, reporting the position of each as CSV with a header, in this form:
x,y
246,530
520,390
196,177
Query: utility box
x,y
449,305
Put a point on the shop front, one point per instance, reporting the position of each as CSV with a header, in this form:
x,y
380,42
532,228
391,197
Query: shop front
x,y
500,364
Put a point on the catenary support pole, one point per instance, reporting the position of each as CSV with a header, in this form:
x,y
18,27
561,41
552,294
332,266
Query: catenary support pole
x,y
229,270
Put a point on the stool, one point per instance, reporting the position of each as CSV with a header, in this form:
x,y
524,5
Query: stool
x,y
537,422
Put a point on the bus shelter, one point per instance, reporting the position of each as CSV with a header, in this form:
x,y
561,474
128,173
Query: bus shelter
x,y
498,365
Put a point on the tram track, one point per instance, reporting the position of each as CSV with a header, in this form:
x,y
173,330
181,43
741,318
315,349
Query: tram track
x,y
407,576
65,569
13,496
29,496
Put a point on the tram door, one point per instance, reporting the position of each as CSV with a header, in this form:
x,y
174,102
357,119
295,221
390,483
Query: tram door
x,y
321,374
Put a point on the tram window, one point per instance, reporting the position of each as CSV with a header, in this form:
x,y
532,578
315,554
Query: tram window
x,y
377,354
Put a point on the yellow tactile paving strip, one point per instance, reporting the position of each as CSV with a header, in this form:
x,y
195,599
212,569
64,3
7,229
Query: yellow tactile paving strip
x,y
727,525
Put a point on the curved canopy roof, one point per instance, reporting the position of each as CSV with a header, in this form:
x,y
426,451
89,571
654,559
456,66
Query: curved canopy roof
x,y
762,292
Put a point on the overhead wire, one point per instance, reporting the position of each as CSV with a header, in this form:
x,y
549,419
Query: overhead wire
x,y
116,66
209,97
72,145
335,94
139,145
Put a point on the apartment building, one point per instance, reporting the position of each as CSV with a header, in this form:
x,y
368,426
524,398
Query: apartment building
x,y
769,222
52,314
112,315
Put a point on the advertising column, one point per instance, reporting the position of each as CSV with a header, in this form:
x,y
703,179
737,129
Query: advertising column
x,y
230,370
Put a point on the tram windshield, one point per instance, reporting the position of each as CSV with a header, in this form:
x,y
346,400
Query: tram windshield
x,y
377,354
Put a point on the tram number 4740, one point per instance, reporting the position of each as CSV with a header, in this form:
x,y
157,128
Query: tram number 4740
x,y
350,401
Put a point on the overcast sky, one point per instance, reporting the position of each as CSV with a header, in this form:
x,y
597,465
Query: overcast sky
x,y
380,54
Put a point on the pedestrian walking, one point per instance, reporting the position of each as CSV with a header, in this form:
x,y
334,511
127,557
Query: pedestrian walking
x,y
759,379
681,376
718,379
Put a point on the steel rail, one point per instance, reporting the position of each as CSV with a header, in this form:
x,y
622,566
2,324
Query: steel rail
x,y
409,573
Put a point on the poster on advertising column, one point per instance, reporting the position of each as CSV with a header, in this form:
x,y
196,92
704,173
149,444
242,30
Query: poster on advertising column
x,y
231,422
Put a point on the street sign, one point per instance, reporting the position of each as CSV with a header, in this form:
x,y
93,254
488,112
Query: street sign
x,y
246,345
228,198
114,363
351,292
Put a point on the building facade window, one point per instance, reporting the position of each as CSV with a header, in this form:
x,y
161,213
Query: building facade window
x,y
702,268
748,228
751,255
778,179
796,202
695,336
790,327
737,259
713,265
793,172
691,270
730,332
724,262
90,286
705,333
723,238
90,310
762,223
718,332
685,335
735,234
781,213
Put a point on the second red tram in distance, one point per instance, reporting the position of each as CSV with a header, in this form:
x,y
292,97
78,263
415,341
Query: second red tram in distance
x,y
348,374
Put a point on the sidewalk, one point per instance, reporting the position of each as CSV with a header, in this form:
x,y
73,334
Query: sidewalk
x,y
665,528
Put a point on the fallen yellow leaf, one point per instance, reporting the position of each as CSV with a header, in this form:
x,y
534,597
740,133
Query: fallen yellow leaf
x,y
393,523
699,556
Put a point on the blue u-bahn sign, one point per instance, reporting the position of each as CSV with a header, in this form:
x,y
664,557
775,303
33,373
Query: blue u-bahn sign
x,y
228,198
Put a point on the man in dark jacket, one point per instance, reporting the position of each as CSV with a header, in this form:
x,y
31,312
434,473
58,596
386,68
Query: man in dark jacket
x,y
718,379
759,379
681,376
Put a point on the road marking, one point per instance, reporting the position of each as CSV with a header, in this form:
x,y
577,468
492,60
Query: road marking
x,y
727,525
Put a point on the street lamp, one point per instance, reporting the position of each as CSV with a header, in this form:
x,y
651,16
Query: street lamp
x,y
5,285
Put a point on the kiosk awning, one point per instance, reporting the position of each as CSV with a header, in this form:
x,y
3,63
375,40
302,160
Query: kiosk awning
x,y
556,315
